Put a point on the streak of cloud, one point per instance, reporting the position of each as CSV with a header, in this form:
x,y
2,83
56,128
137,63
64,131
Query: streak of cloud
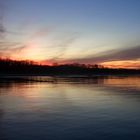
x,y
63,46
2,28
132,53
41,33
7,47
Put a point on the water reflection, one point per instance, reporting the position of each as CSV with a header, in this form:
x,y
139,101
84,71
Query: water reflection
x,y
70,108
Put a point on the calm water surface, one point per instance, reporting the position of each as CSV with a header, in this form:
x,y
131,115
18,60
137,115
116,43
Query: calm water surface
x,y
101,108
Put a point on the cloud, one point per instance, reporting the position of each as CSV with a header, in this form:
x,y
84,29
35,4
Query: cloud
x,y
9,47
63,45
112,55
41,33
2,28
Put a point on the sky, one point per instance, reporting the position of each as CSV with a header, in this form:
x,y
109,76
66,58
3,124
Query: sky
x,y
105,32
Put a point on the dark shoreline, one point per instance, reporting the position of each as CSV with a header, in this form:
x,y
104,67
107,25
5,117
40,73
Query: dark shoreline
x,y
53,78
28,68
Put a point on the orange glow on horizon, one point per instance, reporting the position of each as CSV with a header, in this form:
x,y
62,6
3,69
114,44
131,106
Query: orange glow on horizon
x,y
130,64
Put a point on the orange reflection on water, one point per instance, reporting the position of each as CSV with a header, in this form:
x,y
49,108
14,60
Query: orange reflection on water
x,y
123,81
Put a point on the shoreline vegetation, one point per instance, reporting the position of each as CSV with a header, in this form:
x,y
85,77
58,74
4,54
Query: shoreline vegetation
x,y
30,68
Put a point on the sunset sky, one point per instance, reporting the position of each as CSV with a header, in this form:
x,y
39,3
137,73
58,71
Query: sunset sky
x,y
71,31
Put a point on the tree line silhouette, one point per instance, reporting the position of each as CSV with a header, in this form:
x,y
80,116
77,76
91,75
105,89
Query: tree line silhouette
x,y
8,66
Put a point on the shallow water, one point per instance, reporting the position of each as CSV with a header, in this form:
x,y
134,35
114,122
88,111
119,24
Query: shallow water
x,y
98,108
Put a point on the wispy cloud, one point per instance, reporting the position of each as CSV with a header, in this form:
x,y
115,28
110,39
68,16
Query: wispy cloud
x,y
9,47
60,46
40,33
63,46
112,55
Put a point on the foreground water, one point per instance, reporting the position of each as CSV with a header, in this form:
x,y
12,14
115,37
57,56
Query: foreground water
x,y
100,108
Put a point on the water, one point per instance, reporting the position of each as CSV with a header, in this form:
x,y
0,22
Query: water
x,y
101,108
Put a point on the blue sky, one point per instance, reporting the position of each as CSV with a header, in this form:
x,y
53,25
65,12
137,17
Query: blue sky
x,y
77,29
